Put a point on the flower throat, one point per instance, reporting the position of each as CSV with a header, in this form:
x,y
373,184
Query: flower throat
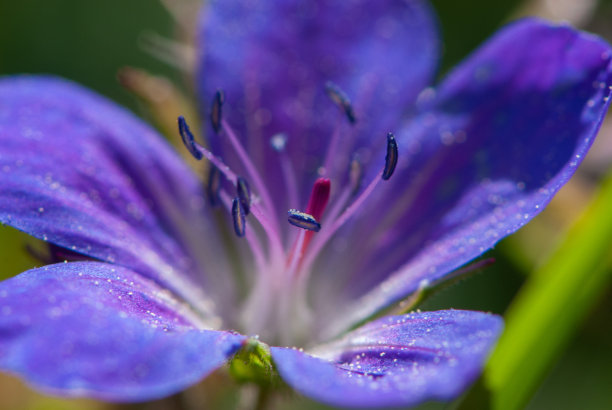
x,y
281,271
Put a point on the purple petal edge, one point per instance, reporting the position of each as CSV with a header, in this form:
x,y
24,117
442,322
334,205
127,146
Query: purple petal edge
x,y
102,331
395,361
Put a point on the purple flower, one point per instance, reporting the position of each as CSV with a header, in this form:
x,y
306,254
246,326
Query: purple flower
x,y
311,91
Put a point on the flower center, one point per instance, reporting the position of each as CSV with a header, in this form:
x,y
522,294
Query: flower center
x,y
277,306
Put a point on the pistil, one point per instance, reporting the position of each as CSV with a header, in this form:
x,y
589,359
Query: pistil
x,y
388,170
309,221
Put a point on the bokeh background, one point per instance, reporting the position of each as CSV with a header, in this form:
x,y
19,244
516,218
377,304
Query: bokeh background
x,y
92,41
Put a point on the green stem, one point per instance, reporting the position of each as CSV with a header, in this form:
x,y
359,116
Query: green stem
x,y
555,299
263,398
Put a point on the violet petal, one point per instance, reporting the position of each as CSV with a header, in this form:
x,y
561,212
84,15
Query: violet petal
x,y
395,361
80,172
273,60
504,132
103,331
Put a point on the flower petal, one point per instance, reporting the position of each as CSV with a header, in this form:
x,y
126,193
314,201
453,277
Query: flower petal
x,y
273,59
82,173
102,331
504,132
396,360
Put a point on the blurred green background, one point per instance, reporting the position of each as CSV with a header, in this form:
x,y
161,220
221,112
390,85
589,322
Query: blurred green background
x,y
89,42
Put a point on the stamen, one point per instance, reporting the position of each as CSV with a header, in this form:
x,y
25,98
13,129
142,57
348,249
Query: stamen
x,y
321,240
269,225
213,186
341,99
188,138
340,202
279,142
244,194
303,220
391,158
203,152
239,218
252,239
216,110
296,254
220,124
254,176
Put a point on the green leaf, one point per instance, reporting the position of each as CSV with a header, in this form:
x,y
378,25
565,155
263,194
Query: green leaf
x,y
551,305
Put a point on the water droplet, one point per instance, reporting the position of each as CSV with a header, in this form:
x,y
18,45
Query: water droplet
x,y
279,141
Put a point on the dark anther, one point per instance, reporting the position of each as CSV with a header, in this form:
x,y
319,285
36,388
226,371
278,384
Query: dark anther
x,y
188,138
213,185
303,220
244,195
340,98
239,217
215,112
391,158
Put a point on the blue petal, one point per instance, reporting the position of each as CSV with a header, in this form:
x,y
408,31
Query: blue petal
x,y
395,361
82,173
498,139
273,59
102,331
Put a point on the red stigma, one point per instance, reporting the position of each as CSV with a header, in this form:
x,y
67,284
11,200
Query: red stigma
x,y
319,198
